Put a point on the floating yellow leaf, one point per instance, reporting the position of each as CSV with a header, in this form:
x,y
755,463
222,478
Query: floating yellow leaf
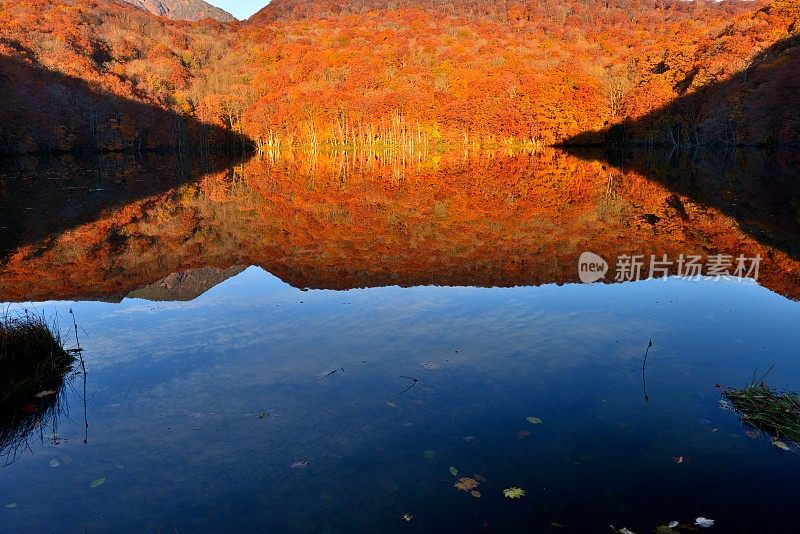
x,y
98,482
514,493
475,493
781,445
534,420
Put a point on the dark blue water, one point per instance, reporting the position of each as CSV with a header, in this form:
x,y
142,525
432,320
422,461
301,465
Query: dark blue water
x,y
224,398
198,410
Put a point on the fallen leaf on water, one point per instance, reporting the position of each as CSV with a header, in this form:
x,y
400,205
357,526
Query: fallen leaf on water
x,y
713,429
522,434
534,420
466,484
11,505
54,463
98,482
704,522
673,524
407,517
391,405
475,493
429,454
514,493
301,464
480,478
781,445
45,393
453,471
678,459
556,525
622,530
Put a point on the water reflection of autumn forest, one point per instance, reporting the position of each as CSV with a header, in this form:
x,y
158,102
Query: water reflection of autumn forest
x,y
347,220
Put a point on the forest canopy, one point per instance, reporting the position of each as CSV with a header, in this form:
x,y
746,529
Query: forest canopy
x,y
405,73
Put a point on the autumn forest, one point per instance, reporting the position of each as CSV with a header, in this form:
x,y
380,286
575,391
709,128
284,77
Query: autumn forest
x,y
415,75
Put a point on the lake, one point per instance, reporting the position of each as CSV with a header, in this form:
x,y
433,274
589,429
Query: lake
x,y
335,343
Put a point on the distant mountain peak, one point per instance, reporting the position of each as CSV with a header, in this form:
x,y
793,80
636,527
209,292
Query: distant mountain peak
x,y
183,9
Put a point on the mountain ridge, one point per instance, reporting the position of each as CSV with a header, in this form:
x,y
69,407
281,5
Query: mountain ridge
x,y
191,10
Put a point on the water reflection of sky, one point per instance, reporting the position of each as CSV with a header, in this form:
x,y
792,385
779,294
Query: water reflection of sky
x,y
177,391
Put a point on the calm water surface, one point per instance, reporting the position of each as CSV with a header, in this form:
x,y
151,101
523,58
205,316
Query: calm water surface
x,y
400,335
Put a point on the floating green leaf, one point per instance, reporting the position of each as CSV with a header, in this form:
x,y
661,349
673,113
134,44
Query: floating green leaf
x,y
534,420
98,482
453,471
514,493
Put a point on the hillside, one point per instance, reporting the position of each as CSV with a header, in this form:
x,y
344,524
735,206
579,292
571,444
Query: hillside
x,y
184,9
419,75
98,77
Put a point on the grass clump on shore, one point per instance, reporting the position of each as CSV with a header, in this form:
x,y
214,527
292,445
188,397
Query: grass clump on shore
x,y
33,369
777,413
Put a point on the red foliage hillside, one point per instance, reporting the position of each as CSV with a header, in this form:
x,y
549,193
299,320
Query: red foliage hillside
x,y
424,74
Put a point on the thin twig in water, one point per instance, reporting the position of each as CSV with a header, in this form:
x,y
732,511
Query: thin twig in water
x,y
79,351
413,383
644,364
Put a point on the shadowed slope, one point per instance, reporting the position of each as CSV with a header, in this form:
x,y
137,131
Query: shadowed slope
x,y
43,197
47,111
759,105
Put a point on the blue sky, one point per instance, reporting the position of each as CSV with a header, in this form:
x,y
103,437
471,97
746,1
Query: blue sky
x,y
240,9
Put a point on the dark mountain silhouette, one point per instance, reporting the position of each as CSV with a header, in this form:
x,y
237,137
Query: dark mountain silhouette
x,y
193,10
